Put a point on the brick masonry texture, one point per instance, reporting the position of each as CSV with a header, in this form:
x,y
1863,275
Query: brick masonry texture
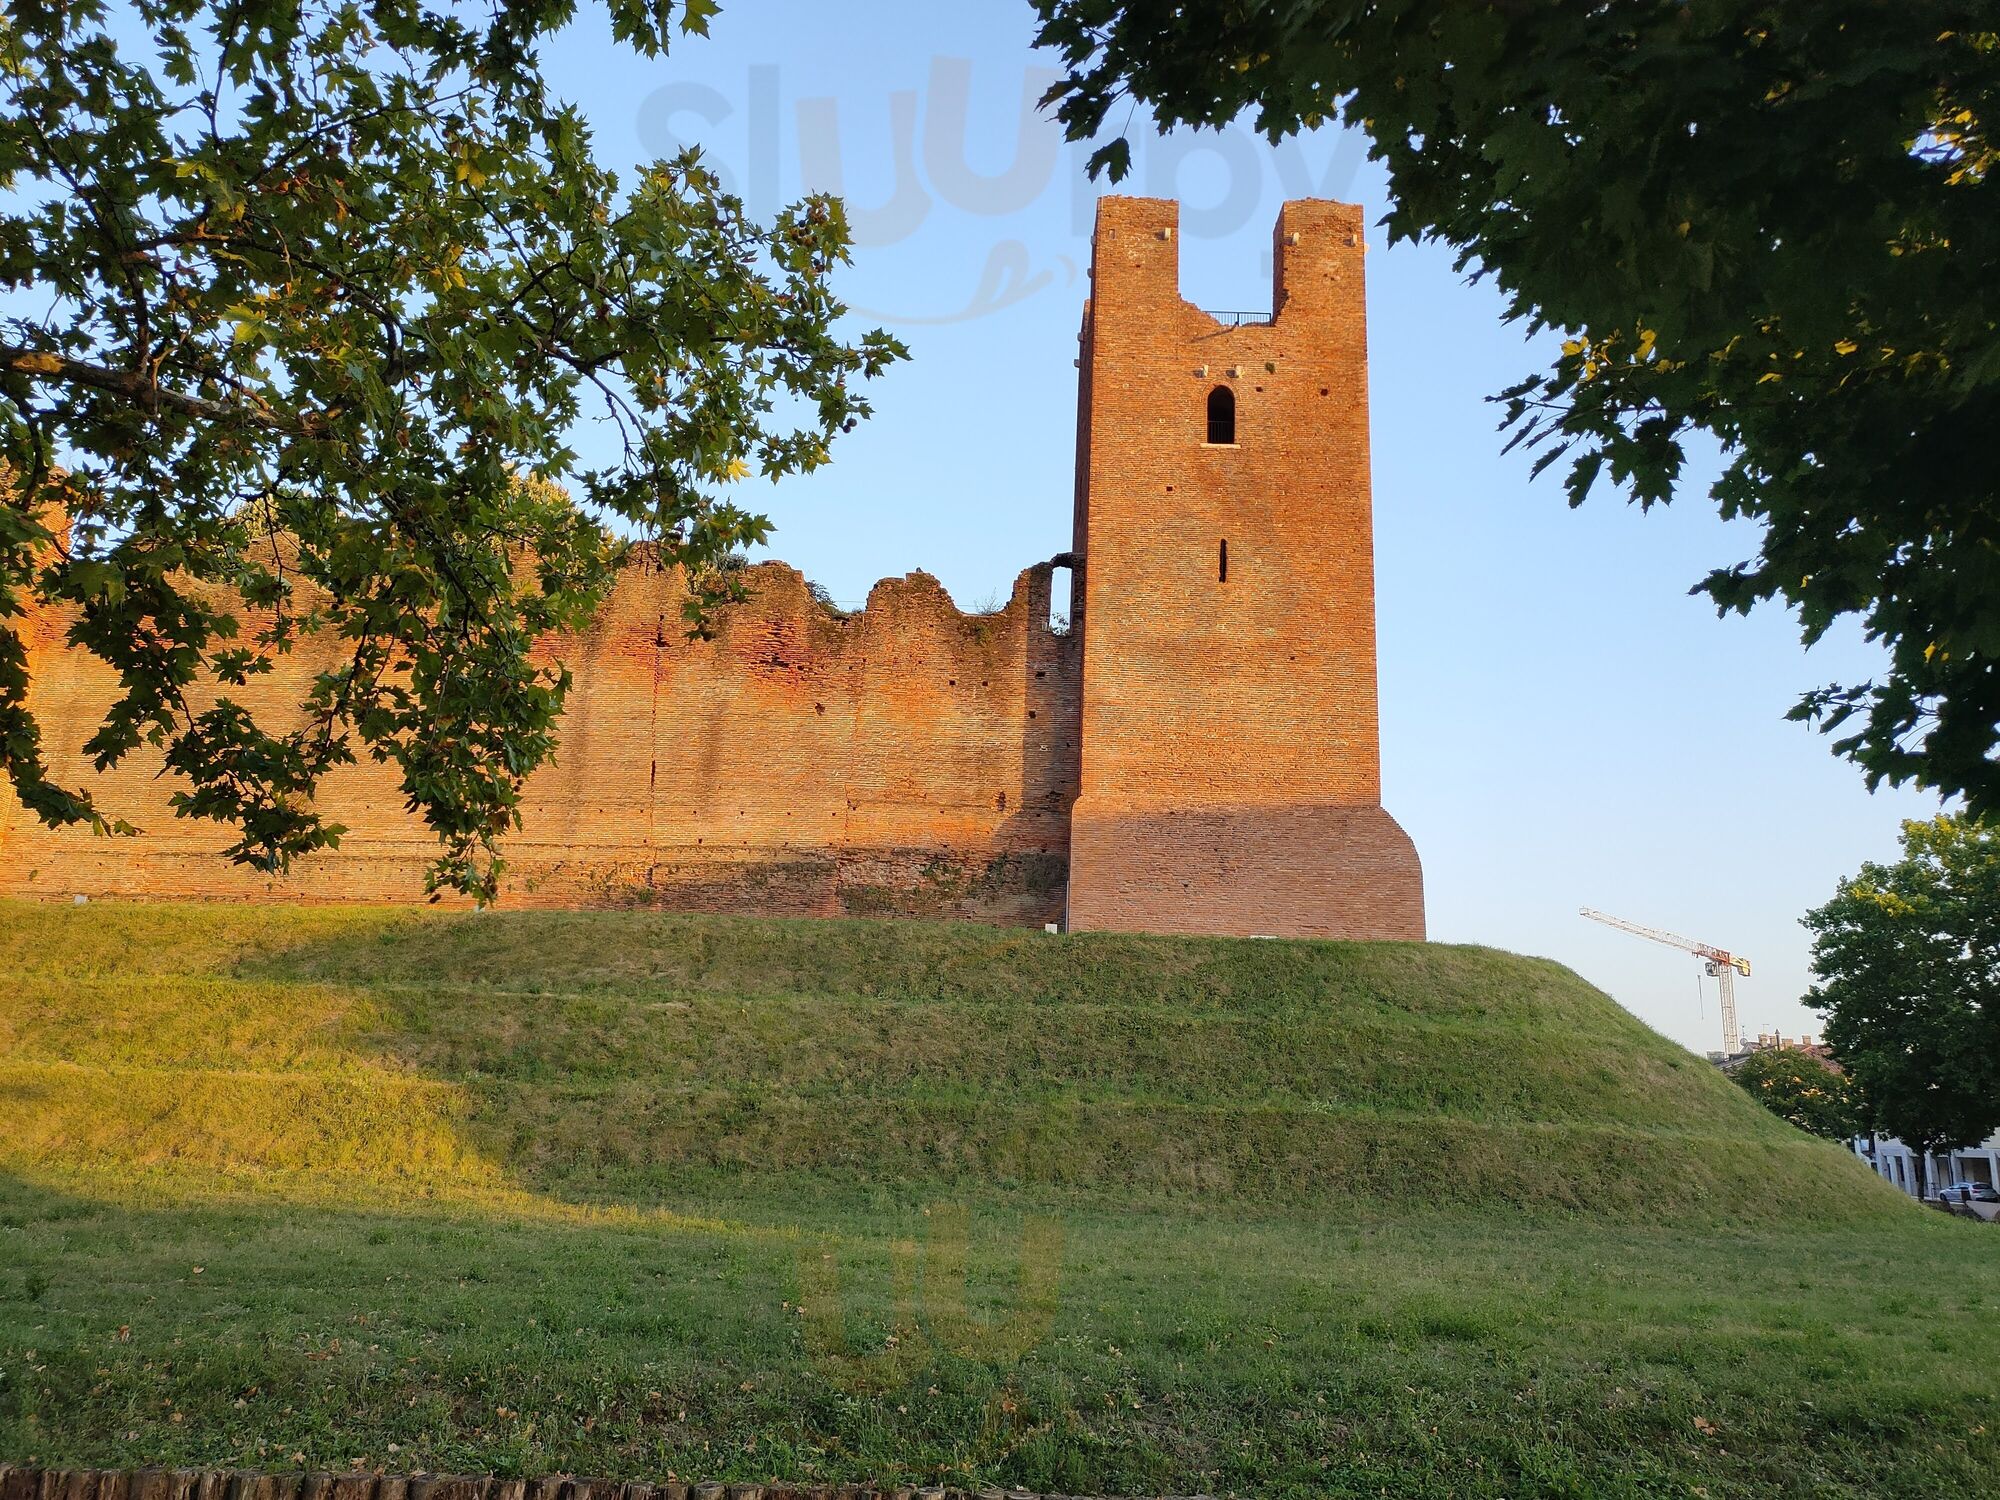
x,y
1231,776
30,1483
905,759
1197,753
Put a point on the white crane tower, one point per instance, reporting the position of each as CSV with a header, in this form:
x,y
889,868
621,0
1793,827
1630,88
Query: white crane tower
x,y
1724,966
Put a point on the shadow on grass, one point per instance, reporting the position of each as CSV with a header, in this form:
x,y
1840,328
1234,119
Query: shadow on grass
x,y
1175,1354
635,1061
241,1330
643,1195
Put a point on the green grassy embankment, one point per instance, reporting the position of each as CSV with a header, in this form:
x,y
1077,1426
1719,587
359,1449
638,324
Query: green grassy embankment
x,y
630,1194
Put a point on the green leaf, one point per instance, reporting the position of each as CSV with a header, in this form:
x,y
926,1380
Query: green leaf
x,y
356,328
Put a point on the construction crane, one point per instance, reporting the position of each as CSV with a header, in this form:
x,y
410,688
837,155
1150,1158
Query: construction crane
x,y
1723,966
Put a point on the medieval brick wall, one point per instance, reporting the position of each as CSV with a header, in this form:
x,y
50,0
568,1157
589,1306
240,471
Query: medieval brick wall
x,y
903,759
1231,777
1198,753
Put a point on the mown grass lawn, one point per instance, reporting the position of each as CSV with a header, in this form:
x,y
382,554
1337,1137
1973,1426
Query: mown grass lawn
x,y
635,1196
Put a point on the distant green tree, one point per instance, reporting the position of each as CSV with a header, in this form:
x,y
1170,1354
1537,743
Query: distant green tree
x,y
1774,225
304,305
1908,961
1800,1088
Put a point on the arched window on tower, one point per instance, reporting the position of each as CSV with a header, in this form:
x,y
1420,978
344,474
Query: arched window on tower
x,y
1221,415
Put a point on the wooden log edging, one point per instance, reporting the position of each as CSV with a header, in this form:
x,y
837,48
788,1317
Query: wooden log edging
x,y
31,1482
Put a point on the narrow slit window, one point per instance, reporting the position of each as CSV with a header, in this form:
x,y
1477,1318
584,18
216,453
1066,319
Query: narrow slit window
x,y
1222,561
1221,415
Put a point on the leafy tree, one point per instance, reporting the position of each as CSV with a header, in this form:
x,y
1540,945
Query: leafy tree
x,y
302,305
1908,960
1802,1089
1778,225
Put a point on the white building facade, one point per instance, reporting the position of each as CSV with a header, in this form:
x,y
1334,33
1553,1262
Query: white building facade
x,y
1896,1163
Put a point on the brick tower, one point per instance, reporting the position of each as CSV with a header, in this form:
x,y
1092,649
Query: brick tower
x,y
1230,758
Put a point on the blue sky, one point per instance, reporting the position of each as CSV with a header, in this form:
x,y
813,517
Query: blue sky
x,y
1562,724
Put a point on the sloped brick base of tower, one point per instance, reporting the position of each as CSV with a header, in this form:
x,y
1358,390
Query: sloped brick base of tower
x,y
1300,872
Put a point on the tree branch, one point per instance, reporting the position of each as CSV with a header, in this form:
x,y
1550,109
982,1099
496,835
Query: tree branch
x,y
139,389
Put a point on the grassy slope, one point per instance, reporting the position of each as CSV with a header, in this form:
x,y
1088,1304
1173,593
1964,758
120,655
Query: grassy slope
x,y
521,1191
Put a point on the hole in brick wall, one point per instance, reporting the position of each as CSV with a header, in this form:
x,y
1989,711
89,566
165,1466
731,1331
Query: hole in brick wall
x,y
1222,561
1221,415
1322,390
1062,600
1031,713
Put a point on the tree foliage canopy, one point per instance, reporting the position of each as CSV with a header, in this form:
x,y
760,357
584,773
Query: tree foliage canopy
x,y
1908,959
300,308
1800,1088
1775,224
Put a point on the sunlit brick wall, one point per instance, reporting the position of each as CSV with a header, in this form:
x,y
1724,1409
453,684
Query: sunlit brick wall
x,y
1231,777
905,758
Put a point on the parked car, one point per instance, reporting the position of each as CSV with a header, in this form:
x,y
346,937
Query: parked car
x,y
1975,1198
